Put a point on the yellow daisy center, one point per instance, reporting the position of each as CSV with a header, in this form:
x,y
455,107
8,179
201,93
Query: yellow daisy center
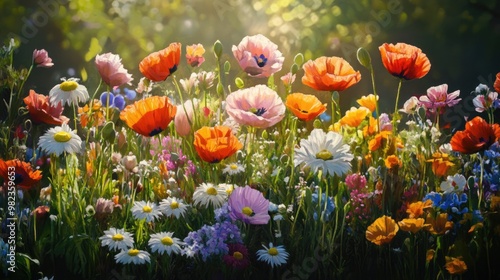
x,y
147,209
247,211
272,251
174,205
62,136
133,252
167,241
324,155
68,85
233,166
117,237
211,191
237,255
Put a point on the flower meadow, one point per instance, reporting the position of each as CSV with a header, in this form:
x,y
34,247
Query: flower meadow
x,y
183,173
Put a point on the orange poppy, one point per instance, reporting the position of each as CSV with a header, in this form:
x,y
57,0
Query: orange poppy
x,y
441,164
404,61
305,106
412,225
379,140
214,144
382,230
496,85
369,101
95,118
371,128
455,265
439,224
20,173
416,209
159,65
149,116
477,136
355,116
41,111
329,74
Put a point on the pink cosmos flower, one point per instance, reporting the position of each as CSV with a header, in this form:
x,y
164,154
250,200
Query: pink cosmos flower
x,y
437,97
258,56
111,69
483,103
184,116
42,59
194,55
258,106
249,205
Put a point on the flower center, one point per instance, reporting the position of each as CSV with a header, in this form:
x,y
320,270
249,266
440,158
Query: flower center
x,y
167,241
68,85
237,255
117,237
261,60
233,166
258,111
248,211
133,252
272,251
147,209
211,191
324,155
62,136
174,205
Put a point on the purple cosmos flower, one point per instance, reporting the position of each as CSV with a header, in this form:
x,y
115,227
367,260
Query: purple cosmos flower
x,y
438,97
258,56
258,106
249,205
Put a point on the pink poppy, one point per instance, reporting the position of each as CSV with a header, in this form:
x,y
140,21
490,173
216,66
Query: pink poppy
x,y
184,116
258,106
438,97
485,102
111,69
258,56
194,55
249,205
42,59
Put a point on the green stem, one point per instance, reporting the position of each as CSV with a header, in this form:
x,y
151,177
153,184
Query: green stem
x,y
395,117
335,106
376,97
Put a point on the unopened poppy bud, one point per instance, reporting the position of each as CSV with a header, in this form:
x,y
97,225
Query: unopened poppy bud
x,y
364,58
317,123
218,48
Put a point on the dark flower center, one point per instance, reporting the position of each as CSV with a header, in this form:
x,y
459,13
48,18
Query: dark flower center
x,y
173,69
258,111
18,178
155,131
261,60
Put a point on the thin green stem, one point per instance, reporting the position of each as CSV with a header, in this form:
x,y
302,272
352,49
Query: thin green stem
x,y
395,117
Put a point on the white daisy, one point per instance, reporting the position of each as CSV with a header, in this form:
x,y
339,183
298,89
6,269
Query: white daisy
x,y
60,139
164,242
324,151
228,187
145,210
455,183
207,194
69,91
275,256
233,168
132,256
173,206
117,239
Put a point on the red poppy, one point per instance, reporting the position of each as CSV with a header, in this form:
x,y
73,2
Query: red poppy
x,y
159,65
149,116
214,144
41,111
20,173
329,74
306,107
404,61
477,136
496,85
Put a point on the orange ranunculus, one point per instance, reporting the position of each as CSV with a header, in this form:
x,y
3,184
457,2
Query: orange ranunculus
x,y
392,161
496,85
382,230
149,116
412,225
159,65
477,136
214,144
455,265
404,61
355,116
416,209
306,107
41,111
439,224
20,173
369,101
440,164
379,139
329,74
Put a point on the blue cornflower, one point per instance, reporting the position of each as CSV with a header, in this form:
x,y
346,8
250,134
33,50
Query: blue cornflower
x,y
327,206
